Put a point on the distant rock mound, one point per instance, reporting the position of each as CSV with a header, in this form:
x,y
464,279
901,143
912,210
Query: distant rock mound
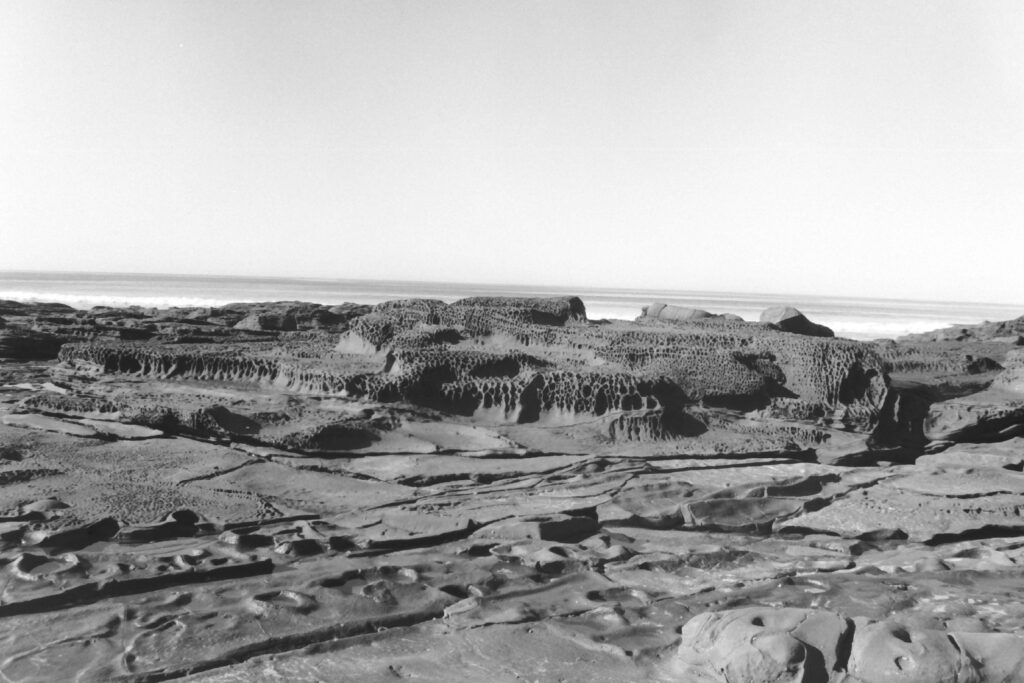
x,y
540,311
670,312
789,319
284,316
1007,331
19,308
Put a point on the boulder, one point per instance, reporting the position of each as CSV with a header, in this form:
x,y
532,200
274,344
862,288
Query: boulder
x,y
889,651
783,645
789,319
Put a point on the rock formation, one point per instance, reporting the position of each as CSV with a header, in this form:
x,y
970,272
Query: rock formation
x,y
789,645
23,344
425,490
788,319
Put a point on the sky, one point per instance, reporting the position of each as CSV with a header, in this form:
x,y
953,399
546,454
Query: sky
x,y
852,148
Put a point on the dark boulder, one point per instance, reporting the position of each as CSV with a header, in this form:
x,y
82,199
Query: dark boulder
x,y
789,319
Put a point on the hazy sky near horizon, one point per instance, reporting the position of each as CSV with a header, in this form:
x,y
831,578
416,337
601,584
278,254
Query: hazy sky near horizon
x,y
863,147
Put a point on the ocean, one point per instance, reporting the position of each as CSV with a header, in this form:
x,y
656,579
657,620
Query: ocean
x,y
855,318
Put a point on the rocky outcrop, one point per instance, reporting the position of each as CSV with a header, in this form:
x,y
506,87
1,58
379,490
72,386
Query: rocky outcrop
x,y
744,366
763,644
994,414
977,418
25,344
281,316
755,507
789,319
672,313
474,317
659,311
19,308
493,356
446,363
502,388
1011,379
785,645
927,504
267,321
467,490
1007,332
940,358
52,402
539,311
240,322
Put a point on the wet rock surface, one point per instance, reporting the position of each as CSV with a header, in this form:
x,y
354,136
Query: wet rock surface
x,y
501,489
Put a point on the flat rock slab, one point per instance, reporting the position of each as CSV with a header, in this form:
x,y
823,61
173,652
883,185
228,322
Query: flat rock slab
x,y
961,482
926,506
740,499
397,529
978,417
424,470
1007,454
50,424
120,430
439,653
215,622
134,481
458,437
394,442
286,488
560,528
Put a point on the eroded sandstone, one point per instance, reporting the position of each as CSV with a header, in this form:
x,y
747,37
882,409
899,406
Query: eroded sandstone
x,y
502,488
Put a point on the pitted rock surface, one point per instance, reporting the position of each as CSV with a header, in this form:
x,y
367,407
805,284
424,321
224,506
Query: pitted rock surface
x,y
521,358
798,645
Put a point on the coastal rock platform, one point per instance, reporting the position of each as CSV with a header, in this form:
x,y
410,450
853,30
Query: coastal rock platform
x,y
501,489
